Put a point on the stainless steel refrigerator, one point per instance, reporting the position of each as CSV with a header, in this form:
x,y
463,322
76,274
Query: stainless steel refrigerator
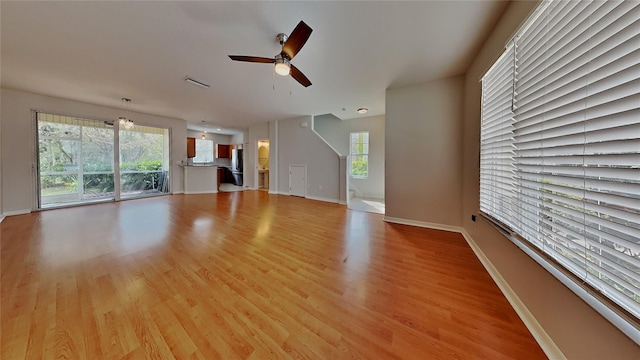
x,y
236,166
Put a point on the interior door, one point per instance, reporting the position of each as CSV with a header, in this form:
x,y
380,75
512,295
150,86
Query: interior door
x,y
298,180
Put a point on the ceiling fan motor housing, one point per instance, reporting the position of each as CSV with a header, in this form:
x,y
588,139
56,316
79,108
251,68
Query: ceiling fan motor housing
x,y
282,38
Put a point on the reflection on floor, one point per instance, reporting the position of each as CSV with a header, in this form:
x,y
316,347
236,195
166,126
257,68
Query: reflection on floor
x,y
367,204
230,187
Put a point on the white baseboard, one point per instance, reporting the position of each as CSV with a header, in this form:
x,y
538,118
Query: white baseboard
x,y
423,224
544,340
16,212
199,192
322,199
277,193
177,192
1,218
341,202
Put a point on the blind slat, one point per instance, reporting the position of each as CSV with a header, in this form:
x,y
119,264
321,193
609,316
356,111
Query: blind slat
x,y
560,141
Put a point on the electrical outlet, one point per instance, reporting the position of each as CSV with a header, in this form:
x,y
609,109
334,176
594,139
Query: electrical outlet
x,y
473,217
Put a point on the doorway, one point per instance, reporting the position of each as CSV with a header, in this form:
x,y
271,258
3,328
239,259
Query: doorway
x,y
263,165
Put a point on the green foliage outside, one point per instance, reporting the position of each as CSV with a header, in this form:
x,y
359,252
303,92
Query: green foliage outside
x,y
67,151
140,180
360,154
359,166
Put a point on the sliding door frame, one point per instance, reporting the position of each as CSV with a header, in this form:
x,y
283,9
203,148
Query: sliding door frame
x,y
35,166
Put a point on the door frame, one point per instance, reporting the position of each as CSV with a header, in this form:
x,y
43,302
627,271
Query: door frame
x,y
35,167
256,175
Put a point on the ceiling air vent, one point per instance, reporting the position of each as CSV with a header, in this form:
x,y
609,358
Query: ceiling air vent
x,y
196,82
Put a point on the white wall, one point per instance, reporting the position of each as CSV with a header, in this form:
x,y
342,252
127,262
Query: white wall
x,y
273,157
336,133
576,329
332,130
423,142
298,145
237,139
1,208
18,142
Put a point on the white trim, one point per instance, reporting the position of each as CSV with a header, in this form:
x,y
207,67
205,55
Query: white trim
x,y
342,202
423,224
16,212
177,192
1,218
322,199
313,124
632,332
277,193
544,340
200,192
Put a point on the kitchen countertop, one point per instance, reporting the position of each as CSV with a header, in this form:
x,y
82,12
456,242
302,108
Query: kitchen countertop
x,y
202,165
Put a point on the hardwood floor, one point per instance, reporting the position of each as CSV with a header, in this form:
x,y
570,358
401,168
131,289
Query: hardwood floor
x,y
245,275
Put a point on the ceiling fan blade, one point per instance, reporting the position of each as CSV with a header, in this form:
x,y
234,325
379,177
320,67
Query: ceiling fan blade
x,y
299,76
296,40
254,59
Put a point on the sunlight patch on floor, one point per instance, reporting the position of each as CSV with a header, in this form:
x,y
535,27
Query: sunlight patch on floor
x,y
366,204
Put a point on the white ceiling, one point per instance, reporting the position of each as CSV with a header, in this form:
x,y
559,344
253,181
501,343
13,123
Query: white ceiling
x,y
99,52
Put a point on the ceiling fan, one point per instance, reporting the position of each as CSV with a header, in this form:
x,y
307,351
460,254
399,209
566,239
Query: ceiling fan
x,y
291,45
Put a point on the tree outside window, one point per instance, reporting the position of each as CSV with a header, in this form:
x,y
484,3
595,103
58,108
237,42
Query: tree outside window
x,y
359,154
204,151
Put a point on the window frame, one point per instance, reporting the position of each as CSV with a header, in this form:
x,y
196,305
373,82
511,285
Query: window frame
x,y
364,155
595,294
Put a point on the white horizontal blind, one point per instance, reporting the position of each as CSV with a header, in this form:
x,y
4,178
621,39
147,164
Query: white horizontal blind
x,y
498,149
71,120
577,142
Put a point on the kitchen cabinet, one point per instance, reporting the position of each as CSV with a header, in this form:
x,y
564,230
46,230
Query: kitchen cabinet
x,y
225,175
191,147
223,151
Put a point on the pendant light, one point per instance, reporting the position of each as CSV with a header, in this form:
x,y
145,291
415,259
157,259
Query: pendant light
x,y
124,122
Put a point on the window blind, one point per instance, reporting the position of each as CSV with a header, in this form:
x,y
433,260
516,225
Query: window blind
x,y
497,170
573,165
70,120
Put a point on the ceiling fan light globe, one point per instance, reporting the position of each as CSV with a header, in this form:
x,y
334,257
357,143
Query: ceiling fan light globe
x,y
282,68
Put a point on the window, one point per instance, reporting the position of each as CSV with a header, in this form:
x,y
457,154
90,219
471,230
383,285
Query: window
x,y
560,143
144,159
76,161
204,151
360,154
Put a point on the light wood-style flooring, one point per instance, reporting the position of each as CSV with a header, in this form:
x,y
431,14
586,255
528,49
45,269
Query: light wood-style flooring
x,y
245,275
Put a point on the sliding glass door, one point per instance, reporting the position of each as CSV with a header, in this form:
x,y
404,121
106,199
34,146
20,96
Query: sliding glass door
x,y
76,160
144,161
